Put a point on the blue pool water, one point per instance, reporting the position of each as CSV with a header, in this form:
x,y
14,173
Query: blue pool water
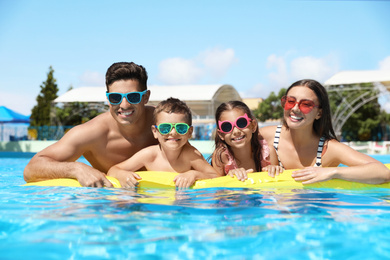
x,y
90,223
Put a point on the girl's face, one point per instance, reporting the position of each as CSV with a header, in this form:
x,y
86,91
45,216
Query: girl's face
x,y
294,116
238,137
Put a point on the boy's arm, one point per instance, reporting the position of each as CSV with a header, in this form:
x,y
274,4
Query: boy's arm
x,y
201,169
125,171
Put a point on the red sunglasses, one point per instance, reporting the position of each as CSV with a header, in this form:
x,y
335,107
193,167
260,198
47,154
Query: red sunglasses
x,y
305,105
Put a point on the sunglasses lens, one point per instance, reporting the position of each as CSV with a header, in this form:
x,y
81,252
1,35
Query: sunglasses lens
x,y
182,128
164,128
306,106
290,103
115,98
226,127
242,122
134,98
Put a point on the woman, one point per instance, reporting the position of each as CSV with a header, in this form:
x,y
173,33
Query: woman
x,y
307,140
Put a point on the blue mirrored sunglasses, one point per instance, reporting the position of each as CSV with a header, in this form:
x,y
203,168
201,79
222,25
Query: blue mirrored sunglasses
x,y
116,98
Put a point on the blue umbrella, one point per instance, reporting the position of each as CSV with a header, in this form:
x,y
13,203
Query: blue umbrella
x,y
9,116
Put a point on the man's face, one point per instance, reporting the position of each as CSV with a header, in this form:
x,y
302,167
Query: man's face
x,y
124,112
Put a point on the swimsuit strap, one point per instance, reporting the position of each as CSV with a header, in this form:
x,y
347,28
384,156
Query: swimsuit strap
x,y
276,142
319,152
319,149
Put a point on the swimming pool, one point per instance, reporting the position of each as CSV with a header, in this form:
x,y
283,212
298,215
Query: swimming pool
x,y
88,223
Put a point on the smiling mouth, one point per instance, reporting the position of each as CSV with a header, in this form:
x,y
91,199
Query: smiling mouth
x,y
296,118
126,113
238,138
172,140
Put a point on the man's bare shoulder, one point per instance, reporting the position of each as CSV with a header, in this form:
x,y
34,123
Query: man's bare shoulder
x,y
95,128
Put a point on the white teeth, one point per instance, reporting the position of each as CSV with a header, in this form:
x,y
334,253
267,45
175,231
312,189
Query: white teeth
x,y
238,138
296,117
127,113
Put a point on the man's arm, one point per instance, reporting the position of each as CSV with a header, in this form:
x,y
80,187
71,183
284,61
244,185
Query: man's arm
x,y
59,160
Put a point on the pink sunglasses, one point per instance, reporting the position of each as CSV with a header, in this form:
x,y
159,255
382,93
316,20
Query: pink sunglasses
x,y
227,126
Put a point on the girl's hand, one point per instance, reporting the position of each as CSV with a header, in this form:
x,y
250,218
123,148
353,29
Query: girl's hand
x,y
313,174
273,170
240,173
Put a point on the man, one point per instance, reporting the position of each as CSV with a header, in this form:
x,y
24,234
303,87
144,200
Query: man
x,y
106,140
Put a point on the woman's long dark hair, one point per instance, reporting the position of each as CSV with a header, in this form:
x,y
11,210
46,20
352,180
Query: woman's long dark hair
x,y
220,145
322,126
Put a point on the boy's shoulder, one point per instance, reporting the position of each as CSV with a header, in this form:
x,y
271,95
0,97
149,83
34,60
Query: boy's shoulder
x,y
149,151
189,149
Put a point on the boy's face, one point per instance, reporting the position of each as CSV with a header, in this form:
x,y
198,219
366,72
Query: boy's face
x,y
173,140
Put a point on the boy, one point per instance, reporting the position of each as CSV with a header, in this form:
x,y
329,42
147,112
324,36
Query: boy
x,y
172,128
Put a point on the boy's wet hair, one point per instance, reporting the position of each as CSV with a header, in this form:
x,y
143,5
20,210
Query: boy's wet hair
x,y
127,71
173,105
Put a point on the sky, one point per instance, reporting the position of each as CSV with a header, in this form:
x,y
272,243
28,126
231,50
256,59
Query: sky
x,y
257,46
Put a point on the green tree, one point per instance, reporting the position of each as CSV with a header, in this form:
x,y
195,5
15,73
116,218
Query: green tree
x,y
270,108
40,114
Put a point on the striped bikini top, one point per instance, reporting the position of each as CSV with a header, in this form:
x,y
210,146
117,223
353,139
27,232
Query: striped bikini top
x,y
319,149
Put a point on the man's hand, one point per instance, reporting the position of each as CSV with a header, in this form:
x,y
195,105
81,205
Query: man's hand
x,y
93,178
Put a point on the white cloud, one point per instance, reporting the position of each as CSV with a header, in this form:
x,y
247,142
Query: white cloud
x,y
92,78
284,71
279,77
385,64
175,71
218,61
319,69
212,63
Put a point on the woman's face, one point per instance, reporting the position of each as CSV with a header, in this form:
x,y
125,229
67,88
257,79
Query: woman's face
x,y
299,116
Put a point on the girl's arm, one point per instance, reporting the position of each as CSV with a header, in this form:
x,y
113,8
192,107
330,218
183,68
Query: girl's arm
x,y
217,164
362,168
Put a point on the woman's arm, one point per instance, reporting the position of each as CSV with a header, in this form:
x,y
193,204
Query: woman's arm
x,y
362,168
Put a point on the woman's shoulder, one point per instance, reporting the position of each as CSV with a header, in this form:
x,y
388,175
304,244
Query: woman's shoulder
x,y
267,132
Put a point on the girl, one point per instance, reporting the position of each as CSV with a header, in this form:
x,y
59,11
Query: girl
x,y
239,148
307,140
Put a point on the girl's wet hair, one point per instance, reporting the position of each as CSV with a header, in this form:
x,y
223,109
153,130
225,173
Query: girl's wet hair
x,y
322,126
221,144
